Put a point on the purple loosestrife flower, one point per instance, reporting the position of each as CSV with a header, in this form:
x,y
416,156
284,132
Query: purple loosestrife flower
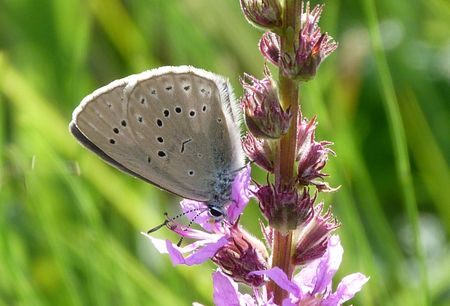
x,y
312,156
264,14
259,151
226,293
264,115
215,235
310,48
313,284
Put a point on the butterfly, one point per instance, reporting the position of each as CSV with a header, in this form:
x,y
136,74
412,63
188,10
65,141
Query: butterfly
x,y
177,128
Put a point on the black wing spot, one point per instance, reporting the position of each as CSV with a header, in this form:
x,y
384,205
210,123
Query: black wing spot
x,y
191,172
161,153
159,122
204,108
169,87
140,119
199,155
142,100
202,90
166,113
178,109
219,120
112,141
183,145
192,113
153,91
187,87
149,159
124,123
116,130
160,139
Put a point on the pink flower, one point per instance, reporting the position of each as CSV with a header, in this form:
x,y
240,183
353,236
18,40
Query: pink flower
x,y
214,235
313,284
226,293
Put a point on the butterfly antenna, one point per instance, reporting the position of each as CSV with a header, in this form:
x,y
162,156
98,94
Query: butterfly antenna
x,y
170,219
190,224
161,225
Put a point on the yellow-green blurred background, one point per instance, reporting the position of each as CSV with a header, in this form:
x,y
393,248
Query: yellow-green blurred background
x,y
70,225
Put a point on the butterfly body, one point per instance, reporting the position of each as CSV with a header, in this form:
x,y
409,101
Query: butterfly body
x,y
174,127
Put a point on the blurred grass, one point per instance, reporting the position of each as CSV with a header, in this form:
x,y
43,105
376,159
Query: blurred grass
x,y
69,231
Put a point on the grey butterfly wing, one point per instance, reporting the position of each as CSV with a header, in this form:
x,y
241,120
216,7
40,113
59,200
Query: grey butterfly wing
x,y
172,127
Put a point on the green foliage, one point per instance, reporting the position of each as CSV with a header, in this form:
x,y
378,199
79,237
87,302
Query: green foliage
x,y
69,225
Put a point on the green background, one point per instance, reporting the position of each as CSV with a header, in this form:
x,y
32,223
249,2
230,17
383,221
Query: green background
x,y
70,225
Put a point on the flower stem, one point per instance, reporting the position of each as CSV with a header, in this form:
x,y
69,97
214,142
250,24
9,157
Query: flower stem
x,y
284,174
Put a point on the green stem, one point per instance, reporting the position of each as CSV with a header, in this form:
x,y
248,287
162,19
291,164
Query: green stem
x,y
284,175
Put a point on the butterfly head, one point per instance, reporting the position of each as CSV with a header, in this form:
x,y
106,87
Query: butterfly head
x,y
216,212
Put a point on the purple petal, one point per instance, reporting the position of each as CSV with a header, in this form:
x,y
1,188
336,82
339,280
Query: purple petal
x,y
175,255
347,288
306,278
280,278
161,245
240,194
289,302
195,234
225,290
328,265
199,256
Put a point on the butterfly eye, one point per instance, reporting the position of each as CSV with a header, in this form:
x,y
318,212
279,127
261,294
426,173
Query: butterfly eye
x,y
215,212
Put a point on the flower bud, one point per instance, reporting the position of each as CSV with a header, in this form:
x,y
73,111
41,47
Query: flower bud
x,y
265,14
264,115
312,156
241,255
259,152
269,46
310,49
314,235
285,209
